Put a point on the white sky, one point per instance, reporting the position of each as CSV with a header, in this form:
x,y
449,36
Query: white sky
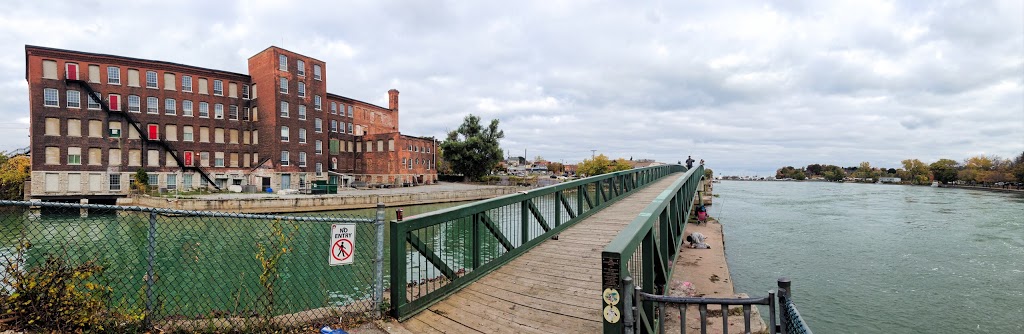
x,y
747,86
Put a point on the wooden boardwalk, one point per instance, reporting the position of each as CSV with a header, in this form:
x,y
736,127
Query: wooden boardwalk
x,y
553,288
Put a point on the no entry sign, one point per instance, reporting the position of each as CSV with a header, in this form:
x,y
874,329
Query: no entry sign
x,y
343,244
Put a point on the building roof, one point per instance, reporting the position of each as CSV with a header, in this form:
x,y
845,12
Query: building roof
x,y
43,48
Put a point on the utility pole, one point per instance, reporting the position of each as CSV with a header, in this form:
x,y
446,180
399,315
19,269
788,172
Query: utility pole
x,y
592,153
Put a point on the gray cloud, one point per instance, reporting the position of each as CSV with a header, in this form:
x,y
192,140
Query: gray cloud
x,y
747,86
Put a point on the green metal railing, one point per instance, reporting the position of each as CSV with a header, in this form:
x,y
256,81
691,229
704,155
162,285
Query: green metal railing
x,y
646,250
434,255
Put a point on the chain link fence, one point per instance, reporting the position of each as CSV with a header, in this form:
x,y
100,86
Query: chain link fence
x,y
139,267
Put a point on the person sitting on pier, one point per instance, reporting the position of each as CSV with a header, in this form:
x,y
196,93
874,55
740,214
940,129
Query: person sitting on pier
x,y
696,240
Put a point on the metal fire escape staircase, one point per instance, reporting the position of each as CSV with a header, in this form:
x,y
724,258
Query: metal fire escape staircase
x,y
167,147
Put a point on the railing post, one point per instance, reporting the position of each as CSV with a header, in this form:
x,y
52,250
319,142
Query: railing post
x,y
628,314
524,215
475,240
579,199
784,294
378,270
150,272
398,263
558,208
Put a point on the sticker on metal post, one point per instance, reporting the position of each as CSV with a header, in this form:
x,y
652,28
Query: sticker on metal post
x,y
343,244
611,314
611,296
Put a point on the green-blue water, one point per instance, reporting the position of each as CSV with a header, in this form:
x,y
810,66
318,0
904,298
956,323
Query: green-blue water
x,y
203,266
867,258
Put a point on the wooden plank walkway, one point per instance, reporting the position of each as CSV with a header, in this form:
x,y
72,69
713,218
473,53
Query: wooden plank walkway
x,y
553,288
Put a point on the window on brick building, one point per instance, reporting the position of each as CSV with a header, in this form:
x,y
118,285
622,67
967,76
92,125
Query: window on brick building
x,y
71,71
283,86
172,181
152,105
350,111
233,113
151,79
113,75
319,147
302,159
317,104
204,159
204,110
316,72
245,92
74,99
50,69
74,127
349,128
246,114
50,97
186,83
133,77
284,158
319,169
186,108
284,109
318,125
302,136
334,108
115,182
218,159
170,107
302,89
334,126
74,155
114,102
134,103
153,132
186,133
301,67
218,111
233,90
302,112
282,62
94,103
169,81
284,134
218,88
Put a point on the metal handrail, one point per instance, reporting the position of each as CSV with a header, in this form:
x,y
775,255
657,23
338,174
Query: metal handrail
x,y
490,233
646,249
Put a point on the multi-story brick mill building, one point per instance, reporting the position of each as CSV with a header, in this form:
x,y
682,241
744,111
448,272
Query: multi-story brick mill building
x,y
96,119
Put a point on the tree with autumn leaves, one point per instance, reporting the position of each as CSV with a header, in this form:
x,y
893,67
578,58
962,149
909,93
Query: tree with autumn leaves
x,y
14,171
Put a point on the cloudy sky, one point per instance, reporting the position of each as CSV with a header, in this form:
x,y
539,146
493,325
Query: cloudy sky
x,y
748,86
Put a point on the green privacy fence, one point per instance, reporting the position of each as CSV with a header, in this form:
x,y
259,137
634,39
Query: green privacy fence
x,y
646,249
434,255
188,269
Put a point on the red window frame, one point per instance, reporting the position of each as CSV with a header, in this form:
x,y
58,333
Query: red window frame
x,y
71,71
154,132
189,158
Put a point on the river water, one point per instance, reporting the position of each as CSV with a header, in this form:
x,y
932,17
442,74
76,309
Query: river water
x,y
869,258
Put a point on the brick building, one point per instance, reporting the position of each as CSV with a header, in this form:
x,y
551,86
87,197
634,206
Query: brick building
x,y
95,119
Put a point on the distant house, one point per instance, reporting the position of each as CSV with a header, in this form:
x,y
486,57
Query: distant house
x,y
889,179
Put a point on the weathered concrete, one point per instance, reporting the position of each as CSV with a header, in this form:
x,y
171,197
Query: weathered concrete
x,y
356,199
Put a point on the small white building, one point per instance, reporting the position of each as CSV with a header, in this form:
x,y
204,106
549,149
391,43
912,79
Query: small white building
x,y
889,179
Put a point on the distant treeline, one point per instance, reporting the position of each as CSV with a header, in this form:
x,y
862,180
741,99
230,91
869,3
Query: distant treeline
x,y
978,169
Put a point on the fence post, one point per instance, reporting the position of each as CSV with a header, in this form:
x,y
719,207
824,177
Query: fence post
x,y
150,257
627,304
378,270
784,294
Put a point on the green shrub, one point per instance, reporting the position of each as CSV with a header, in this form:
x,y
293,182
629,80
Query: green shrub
x,y
55,295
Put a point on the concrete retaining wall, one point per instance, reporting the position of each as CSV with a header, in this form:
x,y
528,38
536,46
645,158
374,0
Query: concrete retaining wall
x,y
301,203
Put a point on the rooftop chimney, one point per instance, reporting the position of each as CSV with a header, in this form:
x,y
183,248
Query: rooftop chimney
x,y
393,99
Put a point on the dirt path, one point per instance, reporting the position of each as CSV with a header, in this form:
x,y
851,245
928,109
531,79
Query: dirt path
x,y
708,272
